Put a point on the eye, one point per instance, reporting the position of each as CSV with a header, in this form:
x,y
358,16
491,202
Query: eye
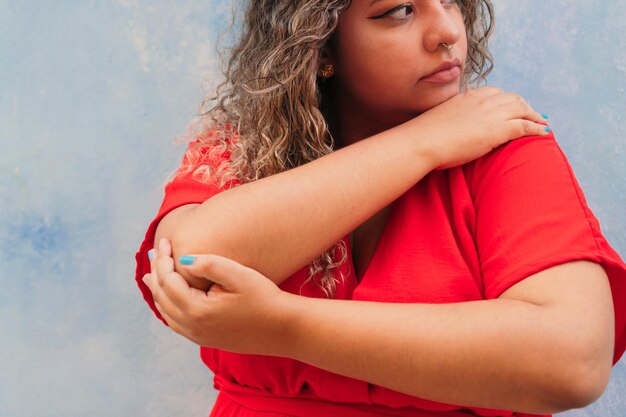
x,y
401,12
397,13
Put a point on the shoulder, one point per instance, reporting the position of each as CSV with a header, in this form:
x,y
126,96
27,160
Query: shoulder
x,y
524,180
532,216
529,163
528,149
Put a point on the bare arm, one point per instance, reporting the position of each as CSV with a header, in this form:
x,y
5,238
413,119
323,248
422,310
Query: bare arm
x,y
544,346
278,224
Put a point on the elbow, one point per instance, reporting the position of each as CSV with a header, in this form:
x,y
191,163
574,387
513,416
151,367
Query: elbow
x,y
580,359
176,227
183,242
581,384
577,393
185,239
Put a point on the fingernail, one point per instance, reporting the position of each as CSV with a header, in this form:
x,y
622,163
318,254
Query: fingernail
x,y
545,116
547,129
187,259
150,255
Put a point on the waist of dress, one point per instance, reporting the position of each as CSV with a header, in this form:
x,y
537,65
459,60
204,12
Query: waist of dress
x,y
311,406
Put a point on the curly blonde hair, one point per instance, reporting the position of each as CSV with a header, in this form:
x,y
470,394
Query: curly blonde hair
x,y
270,114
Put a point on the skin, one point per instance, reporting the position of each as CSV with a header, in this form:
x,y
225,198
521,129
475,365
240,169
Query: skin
x,y
381,97
362,51
378,84
461,353
278,224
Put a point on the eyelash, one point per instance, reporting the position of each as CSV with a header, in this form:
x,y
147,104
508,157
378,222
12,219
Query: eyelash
x,y
394,11
406,6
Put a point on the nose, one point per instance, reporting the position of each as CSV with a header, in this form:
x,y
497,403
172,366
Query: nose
x,y
443,25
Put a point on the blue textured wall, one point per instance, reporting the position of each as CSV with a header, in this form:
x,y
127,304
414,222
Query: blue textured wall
x,y
92,94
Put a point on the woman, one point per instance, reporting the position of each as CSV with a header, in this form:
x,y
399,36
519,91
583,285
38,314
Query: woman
x,y
494,286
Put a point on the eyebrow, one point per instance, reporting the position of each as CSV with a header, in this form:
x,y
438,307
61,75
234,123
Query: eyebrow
x,y
374,2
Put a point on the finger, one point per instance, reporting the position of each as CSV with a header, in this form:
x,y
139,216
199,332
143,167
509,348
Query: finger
x,y
171,322
222,271
164,263
152,256
181,298
146,280
165,247
163,314
164,266
157,296
178,303
162,297
523,128
186,298
520,109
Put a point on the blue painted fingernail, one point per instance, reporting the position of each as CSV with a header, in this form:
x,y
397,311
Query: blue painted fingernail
x,y
545,116
548,130
186,260
150,255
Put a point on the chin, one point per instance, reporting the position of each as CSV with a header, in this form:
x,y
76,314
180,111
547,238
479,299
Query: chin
x,y
436,99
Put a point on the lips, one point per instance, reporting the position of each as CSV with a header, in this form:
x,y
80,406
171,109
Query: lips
x,y
446,72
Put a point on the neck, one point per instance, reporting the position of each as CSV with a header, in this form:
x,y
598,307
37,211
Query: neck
x,y
353,123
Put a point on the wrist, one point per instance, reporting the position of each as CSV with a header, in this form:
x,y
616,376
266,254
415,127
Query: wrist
x,y
287,334
421,144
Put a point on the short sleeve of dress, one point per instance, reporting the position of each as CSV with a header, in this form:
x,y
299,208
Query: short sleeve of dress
x,y
531,215
183,189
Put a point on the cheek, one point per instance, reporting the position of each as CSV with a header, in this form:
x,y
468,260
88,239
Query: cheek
x,y
352,49
373,62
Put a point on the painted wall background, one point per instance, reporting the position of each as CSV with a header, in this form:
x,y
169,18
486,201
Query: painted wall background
x,y
92,94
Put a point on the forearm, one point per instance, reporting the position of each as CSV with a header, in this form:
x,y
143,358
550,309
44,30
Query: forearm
x,y
545,345
500,354
280,223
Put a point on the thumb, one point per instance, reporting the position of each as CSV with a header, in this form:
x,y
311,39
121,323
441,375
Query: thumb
x,y
218,269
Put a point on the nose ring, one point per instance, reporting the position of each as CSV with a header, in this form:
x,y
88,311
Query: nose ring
x,y
446,45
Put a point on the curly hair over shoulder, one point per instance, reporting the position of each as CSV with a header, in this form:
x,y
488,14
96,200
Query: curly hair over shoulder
x,y
269,113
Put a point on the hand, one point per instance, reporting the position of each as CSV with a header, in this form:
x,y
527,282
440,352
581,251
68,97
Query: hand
x,y
242,312
471,124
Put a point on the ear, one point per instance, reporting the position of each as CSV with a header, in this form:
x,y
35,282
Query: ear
x,y
326,67
328,53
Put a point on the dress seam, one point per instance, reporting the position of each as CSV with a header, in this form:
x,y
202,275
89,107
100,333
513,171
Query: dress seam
x,y
580,198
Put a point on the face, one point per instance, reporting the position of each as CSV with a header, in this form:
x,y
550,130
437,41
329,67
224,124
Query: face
x,y
388,54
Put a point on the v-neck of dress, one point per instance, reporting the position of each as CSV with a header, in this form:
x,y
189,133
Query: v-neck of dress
x,y
360,267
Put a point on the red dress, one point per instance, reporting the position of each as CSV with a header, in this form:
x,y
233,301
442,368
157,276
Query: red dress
x,y
466,233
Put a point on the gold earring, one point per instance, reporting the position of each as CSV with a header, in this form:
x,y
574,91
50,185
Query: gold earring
x,y
327,71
